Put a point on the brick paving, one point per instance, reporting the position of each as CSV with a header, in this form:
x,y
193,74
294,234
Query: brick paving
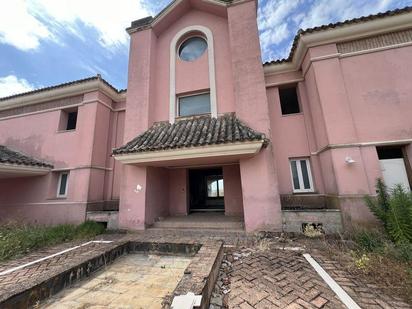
x,y
275,278
250,277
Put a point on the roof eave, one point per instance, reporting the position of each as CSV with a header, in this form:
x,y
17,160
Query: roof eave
x,y
340,34
16,170
165,12
240,149
62,92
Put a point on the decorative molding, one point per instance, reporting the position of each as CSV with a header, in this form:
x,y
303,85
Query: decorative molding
x,y
62,92
245,149
341,34
93,167
362,144
212,77
35,108
377,41
286,82
46,110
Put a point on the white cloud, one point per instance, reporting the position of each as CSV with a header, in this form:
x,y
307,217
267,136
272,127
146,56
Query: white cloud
x,y
19,28
11,84
25,23
327,11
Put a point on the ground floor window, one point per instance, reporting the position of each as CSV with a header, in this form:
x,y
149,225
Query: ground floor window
x,y
301,175
63,184
395,166
215,186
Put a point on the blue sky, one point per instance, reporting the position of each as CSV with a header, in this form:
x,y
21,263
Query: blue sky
x,y
47,42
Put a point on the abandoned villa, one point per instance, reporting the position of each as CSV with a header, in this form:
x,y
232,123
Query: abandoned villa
x,y
206,130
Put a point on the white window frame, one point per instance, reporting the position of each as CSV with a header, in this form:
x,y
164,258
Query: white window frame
x,y
191,95
300,176
187,38
59,183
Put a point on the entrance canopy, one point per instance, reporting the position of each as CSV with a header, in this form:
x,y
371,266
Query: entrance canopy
x,y
17,164
193,141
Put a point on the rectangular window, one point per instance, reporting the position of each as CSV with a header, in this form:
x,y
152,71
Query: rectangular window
x,y
71,120
194,105
63,184
289,100
301,175
68,119
215,187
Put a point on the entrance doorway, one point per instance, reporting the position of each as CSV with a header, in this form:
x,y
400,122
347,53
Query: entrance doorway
x,y
394,166
206,190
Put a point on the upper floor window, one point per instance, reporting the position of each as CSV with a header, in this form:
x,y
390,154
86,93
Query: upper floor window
x,y
68,119
194,105
192,48
289,100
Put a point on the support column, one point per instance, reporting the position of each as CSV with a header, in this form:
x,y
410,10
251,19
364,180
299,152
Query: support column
x,y
133,188
261,201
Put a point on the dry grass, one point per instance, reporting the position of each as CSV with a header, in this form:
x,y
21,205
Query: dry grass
x,y
386,266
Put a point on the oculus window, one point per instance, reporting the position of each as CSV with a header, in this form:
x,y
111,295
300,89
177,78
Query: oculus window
x,y
289,100
301,175
194,105
192,48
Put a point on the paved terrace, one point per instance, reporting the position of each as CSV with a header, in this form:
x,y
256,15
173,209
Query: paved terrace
x,y
252,275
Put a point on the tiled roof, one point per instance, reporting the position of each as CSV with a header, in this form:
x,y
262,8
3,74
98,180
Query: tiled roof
x,y
192,132
8,156
79,81
362,19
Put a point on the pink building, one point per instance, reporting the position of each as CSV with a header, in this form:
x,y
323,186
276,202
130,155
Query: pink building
x,y
204,126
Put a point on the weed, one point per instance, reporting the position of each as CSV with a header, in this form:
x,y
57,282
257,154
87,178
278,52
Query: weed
x,y
17,240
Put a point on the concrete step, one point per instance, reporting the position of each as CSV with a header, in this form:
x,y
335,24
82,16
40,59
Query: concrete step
x,y
201,221
199,225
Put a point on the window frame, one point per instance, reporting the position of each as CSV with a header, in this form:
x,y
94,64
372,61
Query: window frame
x,y
184,39
289,86
64,119
301,189
192,95
216,178
59,184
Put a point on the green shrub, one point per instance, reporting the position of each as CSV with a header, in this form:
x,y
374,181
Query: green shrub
x,y
370,240
394,211
17,240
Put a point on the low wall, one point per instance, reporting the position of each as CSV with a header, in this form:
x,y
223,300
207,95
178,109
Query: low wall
x,y
293,220
44,213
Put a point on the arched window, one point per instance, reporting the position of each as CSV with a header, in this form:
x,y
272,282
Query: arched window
x,y
194,42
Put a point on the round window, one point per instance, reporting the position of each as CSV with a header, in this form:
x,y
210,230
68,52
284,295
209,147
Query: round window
x,y
192,48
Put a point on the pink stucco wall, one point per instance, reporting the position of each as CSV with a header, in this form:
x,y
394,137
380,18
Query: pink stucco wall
x,y
157,194
261,202
233,190
192,76
178,191
83,152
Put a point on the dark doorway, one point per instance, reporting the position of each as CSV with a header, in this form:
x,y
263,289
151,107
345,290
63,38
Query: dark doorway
x,y
206,190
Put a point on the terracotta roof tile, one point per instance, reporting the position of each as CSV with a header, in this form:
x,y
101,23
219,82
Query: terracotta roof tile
x,y
362,19
192,132
8,156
